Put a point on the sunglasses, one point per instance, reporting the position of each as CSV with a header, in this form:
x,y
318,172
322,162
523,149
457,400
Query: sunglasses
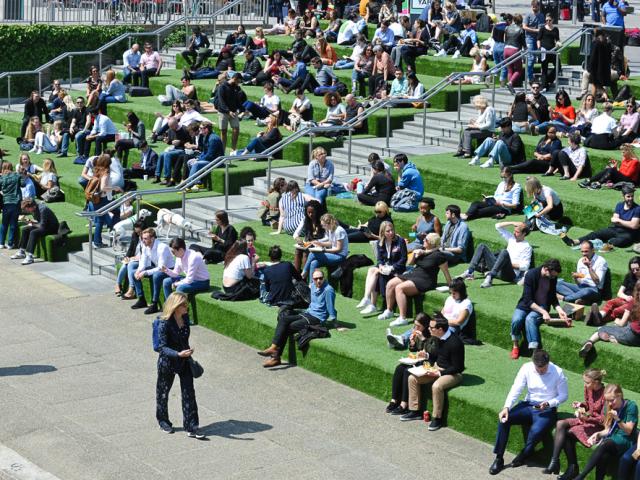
x,y
315,279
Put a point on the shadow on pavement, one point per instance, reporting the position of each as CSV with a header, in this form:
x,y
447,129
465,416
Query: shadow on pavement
x,y
231,428
26,370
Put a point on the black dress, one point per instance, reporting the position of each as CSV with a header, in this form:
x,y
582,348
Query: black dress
x,y
216,253
425,275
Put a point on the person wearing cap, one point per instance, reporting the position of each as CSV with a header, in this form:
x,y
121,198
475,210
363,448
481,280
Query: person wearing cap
x,y
624,230
198,50
507,149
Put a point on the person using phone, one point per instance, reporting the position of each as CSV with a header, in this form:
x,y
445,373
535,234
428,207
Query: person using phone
x,y
547,388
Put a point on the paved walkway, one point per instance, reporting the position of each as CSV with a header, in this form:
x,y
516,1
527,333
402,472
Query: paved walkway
x,y
77,378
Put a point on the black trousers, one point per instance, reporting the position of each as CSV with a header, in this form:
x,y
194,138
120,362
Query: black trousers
x,y
604,454
372,198
560,159
374,81
163,387
617,236
195,59
497,265
122,149
601,141
610,174
142,77
400,383
211,255
468,135
546,79
483,210
291,321
530,166
30,237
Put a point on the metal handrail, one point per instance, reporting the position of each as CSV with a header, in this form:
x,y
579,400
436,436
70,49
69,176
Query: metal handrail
x,y
185,19
310,131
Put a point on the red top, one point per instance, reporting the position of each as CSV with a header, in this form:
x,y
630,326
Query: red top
x,y
630,167
568,112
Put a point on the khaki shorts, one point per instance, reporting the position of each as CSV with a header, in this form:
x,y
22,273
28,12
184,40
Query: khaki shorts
x,y
224,119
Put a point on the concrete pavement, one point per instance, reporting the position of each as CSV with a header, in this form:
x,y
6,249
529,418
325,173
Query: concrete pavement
x,y
77,380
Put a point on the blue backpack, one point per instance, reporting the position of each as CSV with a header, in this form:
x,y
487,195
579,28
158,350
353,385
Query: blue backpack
x,y
155,336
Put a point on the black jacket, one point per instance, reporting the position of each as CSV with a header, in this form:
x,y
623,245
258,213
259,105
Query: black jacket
x,y
46,219
531,282
133,246
152,161
252,67
515,146
36,109
383,185
204,42
449,355
398,257
229,98
172,341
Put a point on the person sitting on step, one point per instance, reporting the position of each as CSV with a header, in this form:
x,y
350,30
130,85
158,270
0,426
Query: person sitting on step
x,y
624,229
426,223
571,161
334,248
368,231
44,223
627,171
547,388
483,126
503,202
590,275
321,311
614,309
510,264
455,236
506,149
190,263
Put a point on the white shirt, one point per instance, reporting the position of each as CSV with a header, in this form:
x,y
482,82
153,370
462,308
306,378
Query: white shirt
x,y
103,126
334,237
154,258
578,156
116,173
235,270
519,252
302,102
512,197
599,265
453,308
271,103
550,387
603,123
398,30
191,116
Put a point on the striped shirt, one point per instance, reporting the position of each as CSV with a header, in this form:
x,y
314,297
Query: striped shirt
x,y
292,209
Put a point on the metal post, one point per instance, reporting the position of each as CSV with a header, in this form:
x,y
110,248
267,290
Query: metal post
x,y
526,77
100,62
226,184
39,82
574,17
90,246
158,43
493,93
138,204
95,17
9,91
215,39
459,96
184,211
70,71
388,123
310,145
557,82
424,122
349,152
269,170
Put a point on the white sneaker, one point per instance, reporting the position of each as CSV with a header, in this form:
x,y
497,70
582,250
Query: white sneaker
x,y
365,302
394,341
441,53
475,160
18,255
387,314
487,164
28,260
487,282
369,309
456,54
398,322
3,246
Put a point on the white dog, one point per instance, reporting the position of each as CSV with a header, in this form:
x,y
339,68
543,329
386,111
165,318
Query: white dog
x,y
123,228
167,219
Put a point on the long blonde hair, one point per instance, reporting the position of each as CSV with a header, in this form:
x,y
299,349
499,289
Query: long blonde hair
x,y
49,166
383,228
616,389
30,133
174,300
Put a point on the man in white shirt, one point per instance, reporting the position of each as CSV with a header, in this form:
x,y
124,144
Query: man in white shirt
x,y
155,257
191,115
351,28
546,389
196,276
103,132
602,129
131,62
589,277
509,264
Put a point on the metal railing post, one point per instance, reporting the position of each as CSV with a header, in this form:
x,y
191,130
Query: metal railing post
x,y
95,15
460,97
138,203
526,76
70,71
90,246
158,43
226,184
349,152
424,122
184,212
39,82
100,62
310,145
574,17
493,93
557,82
215,39
388,124
269,171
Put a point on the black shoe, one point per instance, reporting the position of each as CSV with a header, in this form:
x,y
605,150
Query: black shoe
x,y
586,348
436,424
553,468
568,240
140,303
399,411
411,415
497,466
153,308
391,407
512,90
156,180
197,435
595,317
459,153
571,472
166,428
61,155
584,184
518,460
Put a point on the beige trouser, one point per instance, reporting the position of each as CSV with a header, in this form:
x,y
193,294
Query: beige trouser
x,y
438,387
584,83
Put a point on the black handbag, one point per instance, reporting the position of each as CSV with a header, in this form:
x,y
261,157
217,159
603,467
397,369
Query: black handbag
x,y
196,368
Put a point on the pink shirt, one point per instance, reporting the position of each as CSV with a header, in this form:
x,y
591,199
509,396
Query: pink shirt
x,y
150,61
192,265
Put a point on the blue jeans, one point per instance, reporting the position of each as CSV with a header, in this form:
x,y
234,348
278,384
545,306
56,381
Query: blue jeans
x,y
256,146
102,219
83,182
10,212
197,166
166,159
128,73
496,150
529,322
258,111
81,142
344,64
317,260
127,271
627,466
595,11
64,145
531,59
540,421
572,292
560,126
319,194
157,280
197,286
498,56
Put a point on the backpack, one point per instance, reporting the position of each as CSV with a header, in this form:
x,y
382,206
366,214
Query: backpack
x,y
405,200
624,94
92,191
54,194
483,23
155,335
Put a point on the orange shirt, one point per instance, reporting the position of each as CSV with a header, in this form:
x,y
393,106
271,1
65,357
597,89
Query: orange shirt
x,y
329,55
568,112
630,167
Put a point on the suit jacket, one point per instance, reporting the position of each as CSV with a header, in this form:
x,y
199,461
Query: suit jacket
x,y
172,341
36,109
152,161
